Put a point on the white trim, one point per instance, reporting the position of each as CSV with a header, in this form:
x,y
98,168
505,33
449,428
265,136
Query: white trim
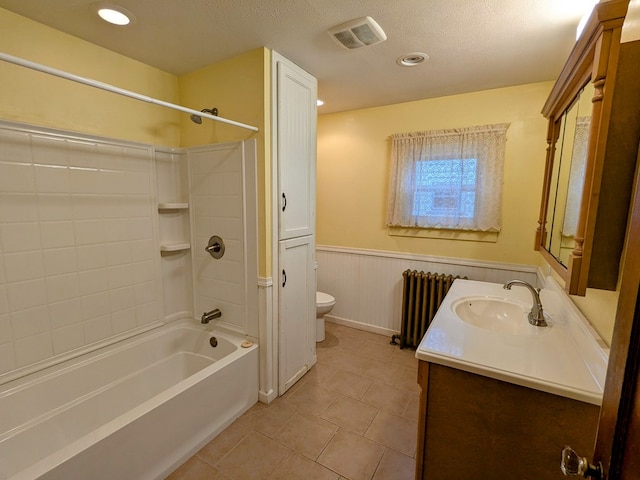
x,y
429,258
361,326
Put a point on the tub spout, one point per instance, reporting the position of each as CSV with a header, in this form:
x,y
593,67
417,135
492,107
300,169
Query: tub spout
x,y
212,315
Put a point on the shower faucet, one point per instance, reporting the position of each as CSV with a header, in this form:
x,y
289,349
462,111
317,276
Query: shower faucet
x,y
212,315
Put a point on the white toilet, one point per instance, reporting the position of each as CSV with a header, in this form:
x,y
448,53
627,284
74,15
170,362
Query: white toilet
x,y
324,304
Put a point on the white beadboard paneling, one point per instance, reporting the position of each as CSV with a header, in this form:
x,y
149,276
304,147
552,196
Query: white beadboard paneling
x,y
368,285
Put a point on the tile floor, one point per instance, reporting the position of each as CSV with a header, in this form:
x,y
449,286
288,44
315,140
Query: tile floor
x,y
352,416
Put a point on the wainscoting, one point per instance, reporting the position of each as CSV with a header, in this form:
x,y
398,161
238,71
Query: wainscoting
x,y
367,284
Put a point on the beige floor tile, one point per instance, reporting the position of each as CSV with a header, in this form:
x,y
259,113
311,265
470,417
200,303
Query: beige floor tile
x,y
382,371
395,466
196,469
408,379
349,384
255,457
271,419
413,407
394,431
348,343
378,351
352,456
223,443
350,414
312,399
307,434
350,361
297,467
405,358
320,374
388,397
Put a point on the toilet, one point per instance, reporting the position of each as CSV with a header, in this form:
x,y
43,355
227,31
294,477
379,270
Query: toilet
x,y
324,304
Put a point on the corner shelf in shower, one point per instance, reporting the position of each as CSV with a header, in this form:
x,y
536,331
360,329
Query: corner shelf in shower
x,y
174,247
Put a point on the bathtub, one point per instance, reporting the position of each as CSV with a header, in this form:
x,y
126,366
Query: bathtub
x,y
134,410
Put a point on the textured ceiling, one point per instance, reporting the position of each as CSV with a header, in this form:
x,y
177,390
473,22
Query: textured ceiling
x,y
472,44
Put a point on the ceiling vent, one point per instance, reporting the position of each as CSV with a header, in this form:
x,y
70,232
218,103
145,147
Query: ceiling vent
x,y
362,32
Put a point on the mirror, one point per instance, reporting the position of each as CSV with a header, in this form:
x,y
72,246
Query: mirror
x,y
567,176
591,158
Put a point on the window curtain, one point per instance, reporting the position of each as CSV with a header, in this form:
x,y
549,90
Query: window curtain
x,y
576,176
485,144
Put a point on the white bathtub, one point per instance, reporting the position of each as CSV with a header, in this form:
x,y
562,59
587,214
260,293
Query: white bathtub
x,y
134,410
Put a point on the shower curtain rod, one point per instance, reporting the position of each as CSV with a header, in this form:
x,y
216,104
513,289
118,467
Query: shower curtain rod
x,y
120,91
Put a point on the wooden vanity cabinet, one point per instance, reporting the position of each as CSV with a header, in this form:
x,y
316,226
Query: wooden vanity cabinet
x,y
473,427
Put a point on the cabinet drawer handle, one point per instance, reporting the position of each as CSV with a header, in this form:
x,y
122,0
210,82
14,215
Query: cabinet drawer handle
x,y
284,202
284,278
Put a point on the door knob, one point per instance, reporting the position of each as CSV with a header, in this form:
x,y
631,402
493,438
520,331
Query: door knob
x,y
572,464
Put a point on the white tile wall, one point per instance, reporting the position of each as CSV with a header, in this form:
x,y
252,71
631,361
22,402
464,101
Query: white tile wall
x,y
78,247
367,285
216,189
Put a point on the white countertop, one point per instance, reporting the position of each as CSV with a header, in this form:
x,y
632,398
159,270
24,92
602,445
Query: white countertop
x,y
567,358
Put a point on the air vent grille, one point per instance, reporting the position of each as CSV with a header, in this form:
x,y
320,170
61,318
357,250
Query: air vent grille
x,y
362,32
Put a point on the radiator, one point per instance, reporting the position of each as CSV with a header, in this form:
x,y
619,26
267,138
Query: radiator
x,y
422,294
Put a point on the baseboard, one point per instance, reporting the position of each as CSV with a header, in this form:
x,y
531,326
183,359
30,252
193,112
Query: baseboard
x,y
360,326
268,397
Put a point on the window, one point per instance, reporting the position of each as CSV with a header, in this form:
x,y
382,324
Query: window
x,y
445,188
448,179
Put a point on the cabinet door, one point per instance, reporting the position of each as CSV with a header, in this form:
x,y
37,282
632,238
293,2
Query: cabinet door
x,y
296,112
297,308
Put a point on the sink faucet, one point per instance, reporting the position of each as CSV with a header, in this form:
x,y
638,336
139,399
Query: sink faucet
x,y
208,316
536,315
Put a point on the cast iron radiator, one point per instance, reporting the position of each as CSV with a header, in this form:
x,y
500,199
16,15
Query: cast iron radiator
x,y
422,294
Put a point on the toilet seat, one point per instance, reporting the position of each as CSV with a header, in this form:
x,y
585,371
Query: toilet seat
x,y
324,299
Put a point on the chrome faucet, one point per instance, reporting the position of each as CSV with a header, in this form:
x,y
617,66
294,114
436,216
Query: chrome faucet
x,y
536,315
212,315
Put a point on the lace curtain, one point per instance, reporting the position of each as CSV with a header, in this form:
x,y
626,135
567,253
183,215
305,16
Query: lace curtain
x,y
448,179
576,177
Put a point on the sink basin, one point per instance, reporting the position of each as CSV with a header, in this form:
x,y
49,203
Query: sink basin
x,y
496,314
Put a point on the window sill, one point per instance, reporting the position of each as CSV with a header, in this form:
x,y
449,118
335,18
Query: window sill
x,y
465,235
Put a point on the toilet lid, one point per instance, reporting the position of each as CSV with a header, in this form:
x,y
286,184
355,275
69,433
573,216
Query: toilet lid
x,y
324,298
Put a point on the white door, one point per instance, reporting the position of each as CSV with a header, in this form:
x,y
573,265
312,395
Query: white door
x,y
296,113
297,308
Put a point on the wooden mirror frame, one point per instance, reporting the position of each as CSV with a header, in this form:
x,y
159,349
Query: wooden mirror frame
x,y
593,59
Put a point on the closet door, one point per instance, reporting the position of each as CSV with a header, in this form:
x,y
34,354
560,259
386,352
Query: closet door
x,y
296,113
297,291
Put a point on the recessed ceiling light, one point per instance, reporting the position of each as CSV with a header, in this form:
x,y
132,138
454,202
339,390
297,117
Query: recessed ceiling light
x,y
114,14
412,59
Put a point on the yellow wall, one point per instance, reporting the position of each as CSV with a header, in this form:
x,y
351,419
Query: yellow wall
x,y
37,98
353,170
240,89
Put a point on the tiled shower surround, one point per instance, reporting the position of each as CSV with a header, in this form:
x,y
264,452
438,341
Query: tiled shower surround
x,y
77,243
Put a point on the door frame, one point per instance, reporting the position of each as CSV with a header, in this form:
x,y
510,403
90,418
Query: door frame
x,y
618,438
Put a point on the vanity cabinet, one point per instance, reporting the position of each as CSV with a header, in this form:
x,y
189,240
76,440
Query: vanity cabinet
x,y
475,427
